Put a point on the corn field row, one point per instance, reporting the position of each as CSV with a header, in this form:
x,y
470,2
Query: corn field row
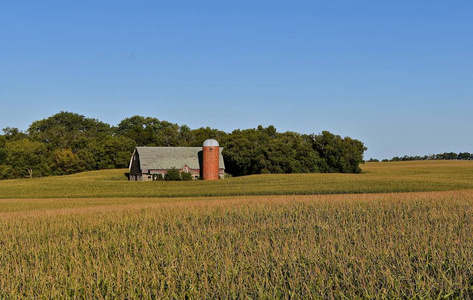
x,y
413,245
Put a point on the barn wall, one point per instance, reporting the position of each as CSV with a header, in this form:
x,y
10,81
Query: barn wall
x,y
135,165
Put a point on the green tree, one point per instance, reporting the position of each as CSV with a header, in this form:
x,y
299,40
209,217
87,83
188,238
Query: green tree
x,y
89,156
13,134
242,153
64,162
264,150
27,158
6,172
117,151
185,136
339,155
73,143
142,130
168,134
198,136
3,150
68,130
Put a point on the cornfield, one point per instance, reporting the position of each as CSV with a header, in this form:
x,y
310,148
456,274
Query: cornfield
x,y
377,245
376,178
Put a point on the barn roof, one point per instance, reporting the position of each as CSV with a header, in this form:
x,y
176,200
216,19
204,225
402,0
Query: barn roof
x,y
164,158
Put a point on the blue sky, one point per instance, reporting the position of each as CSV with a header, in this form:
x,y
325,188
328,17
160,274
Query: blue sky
x,y
396,75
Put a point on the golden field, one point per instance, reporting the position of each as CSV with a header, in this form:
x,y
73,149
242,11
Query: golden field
x,y
389,177
330,236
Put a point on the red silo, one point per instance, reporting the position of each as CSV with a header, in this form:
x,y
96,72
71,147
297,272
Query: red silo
x,y
210,160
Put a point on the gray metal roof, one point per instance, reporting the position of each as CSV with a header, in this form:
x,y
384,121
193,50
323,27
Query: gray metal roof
x,y
210,143
163,158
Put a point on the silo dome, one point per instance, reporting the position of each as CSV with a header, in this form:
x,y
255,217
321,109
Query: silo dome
x,y
210,143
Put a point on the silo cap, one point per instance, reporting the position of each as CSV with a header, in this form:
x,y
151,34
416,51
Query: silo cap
x,y
210,143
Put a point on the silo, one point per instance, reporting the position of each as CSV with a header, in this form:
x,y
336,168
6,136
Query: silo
x,y
210,159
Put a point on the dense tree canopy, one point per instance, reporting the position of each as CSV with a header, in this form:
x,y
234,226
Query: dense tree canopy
x,y
26,158
340,155
67,143
263,150
67,130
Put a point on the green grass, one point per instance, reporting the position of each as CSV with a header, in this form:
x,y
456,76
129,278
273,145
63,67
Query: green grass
x,y
376,178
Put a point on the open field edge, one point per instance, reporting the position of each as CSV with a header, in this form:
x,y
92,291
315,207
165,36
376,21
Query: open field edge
x,y
44,207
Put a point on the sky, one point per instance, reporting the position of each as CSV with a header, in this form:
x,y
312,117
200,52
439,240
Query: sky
x,y
396,75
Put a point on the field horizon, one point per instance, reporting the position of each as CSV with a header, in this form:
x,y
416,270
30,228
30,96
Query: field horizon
x,y
385,177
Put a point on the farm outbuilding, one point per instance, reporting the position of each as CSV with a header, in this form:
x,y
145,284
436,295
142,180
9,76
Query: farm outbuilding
x,y
147,163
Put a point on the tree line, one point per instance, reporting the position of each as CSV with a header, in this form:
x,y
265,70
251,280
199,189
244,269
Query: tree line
x,y
67,143
440,156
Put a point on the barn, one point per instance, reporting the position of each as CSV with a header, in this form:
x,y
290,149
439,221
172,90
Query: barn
x,y
147,162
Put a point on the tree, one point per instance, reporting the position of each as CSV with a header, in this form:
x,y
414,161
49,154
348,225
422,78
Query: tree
x,y
67,142
68,130
142,130
117,151
3,151
264,150
91,156
167,134
6,172
242,152
13,134
27,158
450,155
198,136
341,155
64,162
185,135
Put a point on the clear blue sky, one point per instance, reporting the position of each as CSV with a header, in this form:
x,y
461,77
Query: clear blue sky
x,y
396,75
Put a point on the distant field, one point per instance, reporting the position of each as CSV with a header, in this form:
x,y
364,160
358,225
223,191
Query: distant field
x,y
411,245
376,178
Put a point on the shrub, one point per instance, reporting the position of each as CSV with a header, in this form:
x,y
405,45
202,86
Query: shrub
x,y
172,175
158,177
186,176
